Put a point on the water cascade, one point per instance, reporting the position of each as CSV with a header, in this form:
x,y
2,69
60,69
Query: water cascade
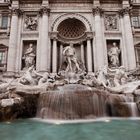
x,y
82,104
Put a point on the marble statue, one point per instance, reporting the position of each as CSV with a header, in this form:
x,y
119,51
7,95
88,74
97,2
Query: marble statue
x,y
31,23
44,79
70,54
29,56
102,76
90,80
120,76
27,78
113,54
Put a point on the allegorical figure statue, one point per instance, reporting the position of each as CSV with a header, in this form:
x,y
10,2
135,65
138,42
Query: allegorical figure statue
x,y
120,76
113,54
29,56
70,54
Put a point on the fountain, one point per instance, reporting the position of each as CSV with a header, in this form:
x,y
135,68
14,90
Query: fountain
x,y
71,94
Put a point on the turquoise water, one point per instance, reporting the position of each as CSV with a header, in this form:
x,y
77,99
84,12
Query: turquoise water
x,y
35,130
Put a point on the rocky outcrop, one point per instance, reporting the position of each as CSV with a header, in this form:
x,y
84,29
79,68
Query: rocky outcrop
x,y
66,102
16,104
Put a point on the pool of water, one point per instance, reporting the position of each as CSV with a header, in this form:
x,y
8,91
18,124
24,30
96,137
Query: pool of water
x,y
98,130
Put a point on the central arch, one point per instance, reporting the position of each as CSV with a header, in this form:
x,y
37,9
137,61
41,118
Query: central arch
x,y
71,28
72,16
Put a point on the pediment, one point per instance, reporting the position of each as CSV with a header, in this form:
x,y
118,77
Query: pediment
x,y
3,46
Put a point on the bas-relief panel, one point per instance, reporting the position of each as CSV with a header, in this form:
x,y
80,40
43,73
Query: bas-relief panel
x,y
111,22
30,23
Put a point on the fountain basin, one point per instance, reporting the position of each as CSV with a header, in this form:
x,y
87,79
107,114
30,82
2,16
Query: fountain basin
x,y
105,129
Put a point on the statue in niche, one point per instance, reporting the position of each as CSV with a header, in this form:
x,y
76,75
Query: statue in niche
x,y
72,62
113,55
111,22
29,56
31,23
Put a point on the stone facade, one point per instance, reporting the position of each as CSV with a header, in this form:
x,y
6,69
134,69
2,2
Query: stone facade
x,y
92,26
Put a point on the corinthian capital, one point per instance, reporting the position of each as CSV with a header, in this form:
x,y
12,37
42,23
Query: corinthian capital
x,y
125,11
44,10
97,11
16,11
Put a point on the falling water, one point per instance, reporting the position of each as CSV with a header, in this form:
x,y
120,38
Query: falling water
x,y
131,105
71,104
75,103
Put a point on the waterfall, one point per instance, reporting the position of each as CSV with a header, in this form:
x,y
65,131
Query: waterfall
x,y
83,104
71,104
132,106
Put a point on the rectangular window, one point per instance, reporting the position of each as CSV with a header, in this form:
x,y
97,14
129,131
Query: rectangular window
x,y
4,22
136,21
3,58
137,49
136,1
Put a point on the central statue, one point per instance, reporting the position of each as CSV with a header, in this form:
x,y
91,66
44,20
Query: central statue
x,y
72,62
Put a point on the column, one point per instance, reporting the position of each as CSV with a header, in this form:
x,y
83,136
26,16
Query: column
x,y
89,56
82,53
99,45
61,55
54,56
123,45
129,40
44,40
13,41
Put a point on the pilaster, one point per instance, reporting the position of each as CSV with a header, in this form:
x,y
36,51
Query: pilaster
x,y
44,48
125,12
13,39
99,43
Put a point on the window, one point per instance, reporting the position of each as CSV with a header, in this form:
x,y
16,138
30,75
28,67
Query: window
x,y
136,1
136,21
1,1
137,50
4,22
3,58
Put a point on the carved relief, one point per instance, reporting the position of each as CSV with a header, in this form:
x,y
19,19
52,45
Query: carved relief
x,y
111,22
125,11
31,23
97,11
